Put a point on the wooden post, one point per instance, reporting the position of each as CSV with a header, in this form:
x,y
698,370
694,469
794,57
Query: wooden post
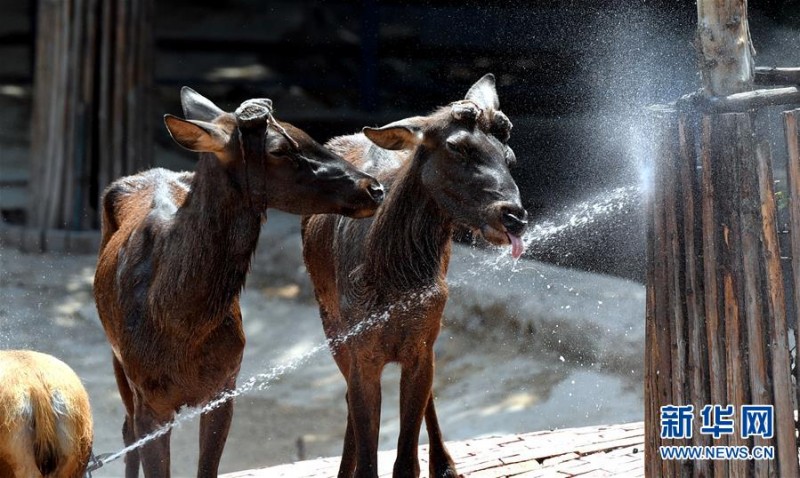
x,y
726,66
91,117
777,76
724,46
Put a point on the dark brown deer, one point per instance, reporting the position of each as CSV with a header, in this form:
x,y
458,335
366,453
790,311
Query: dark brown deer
x,y
446,169
176,248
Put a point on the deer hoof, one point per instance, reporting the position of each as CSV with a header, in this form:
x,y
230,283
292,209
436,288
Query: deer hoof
x,y
447,472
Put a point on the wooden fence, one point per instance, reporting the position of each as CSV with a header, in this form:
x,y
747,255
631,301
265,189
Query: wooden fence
x,y
90,118
717,328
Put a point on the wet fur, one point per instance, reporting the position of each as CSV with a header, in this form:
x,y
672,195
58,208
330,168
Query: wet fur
x,y
175,329
389,270
402,263
369,266
175,251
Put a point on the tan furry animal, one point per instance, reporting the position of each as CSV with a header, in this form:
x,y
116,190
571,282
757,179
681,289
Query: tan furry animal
x,y
45,418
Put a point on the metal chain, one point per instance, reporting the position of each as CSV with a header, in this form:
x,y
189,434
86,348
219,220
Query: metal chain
x,y
95,463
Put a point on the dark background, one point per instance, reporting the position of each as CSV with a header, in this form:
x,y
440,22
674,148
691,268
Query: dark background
x,y
573,76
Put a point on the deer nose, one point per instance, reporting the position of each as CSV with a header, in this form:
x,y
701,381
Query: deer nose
x,y
515,219
375,191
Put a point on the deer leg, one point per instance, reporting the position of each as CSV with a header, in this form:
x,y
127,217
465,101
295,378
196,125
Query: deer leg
x,y
348,463
128,432
440,463
214,427
364,414
154,454
416,380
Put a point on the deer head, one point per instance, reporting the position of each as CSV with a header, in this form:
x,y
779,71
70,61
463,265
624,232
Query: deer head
x,y
273,163
464,161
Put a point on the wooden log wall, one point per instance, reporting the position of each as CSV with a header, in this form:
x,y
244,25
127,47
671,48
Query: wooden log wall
x,y
717,330
91,119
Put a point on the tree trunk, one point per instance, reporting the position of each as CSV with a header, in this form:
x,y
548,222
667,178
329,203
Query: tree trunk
x,y
93,80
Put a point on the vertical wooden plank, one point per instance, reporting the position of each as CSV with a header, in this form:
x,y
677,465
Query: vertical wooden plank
x,y
88,116
131,83
674,233
72,132
54,174
118,90
695,318
91,121
659,331
105,173
792,132
714,333
41,107
735,139
651,420
778,328
755,296
662,330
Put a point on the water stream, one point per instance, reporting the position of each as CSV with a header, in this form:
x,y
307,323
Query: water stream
x,y
548,235
263,381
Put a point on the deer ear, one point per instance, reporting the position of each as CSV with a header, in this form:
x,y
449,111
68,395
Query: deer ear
x,y
483,93
198,107
197,136
403,134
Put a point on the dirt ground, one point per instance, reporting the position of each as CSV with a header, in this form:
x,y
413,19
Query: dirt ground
x,y
525,347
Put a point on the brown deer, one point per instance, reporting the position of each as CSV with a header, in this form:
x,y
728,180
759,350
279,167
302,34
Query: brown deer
x,y
174,253
446,169
45,418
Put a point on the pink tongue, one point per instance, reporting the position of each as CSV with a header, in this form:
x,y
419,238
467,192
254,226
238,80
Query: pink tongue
x,y
517,247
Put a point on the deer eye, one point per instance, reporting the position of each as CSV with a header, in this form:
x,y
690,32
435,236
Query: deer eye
x,y
281,153
457,148
452,146
457,143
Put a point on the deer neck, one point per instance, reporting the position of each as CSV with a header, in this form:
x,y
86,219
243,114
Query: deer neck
x,y
215,235
409,242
